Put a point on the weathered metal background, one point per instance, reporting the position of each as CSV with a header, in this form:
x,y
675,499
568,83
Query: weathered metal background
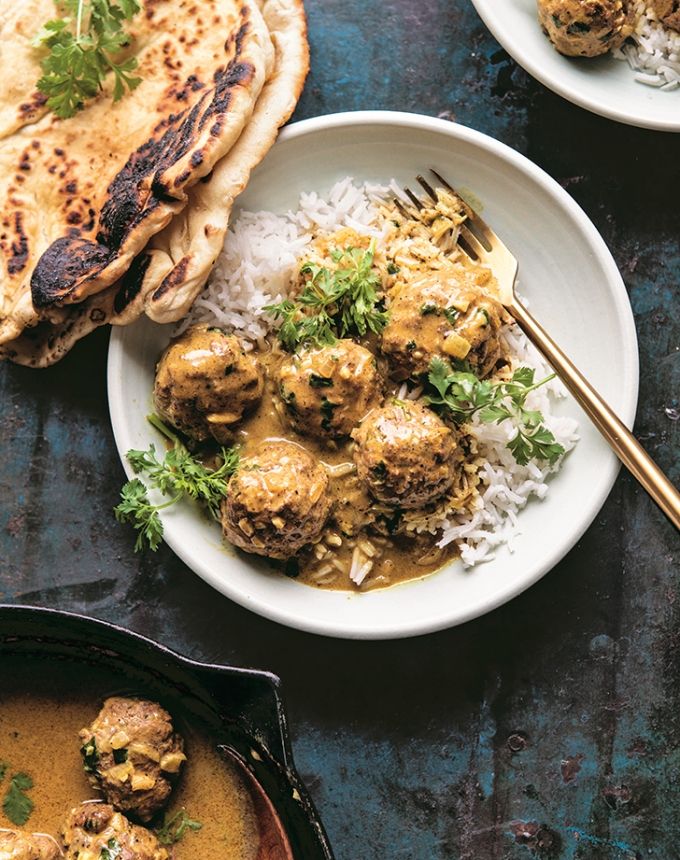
x,y
550,728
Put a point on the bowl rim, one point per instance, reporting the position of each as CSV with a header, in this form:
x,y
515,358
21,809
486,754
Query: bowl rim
x,y
580,98
629,392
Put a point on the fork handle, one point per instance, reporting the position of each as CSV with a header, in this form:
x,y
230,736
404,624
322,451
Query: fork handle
x,y
621,440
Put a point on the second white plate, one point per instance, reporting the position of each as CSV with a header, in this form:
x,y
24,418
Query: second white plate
x,y
603,85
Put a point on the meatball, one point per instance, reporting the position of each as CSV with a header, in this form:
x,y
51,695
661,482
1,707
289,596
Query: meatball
x,y
205,383
327,391
132,753
668,11
445,319
584,28
17,845
406,455
277,502
95,830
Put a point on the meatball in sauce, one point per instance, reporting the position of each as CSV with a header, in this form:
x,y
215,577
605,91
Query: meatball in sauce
x,y
205,383
133,755
277,501
93,831
443,318
18,845
405,455
585,28
326,392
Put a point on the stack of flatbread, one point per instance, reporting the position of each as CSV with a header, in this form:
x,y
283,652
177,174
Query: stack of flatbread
x,y
122,209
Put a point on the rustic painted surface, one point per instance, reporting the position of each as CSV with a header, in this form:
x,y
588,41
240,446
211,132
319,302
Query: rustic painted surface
x,y
550,728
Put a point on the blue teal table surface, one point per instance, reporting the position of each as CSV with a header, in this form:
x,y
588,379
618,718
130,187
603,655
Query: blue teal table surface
x,y
551,727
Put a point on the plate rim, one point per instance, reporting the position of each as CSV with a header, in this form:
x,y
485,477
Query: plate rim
x,y
629,396
484,9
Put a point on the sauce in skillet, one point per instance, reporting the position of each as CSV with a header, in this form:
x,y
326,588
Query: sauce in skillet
x,y
41,713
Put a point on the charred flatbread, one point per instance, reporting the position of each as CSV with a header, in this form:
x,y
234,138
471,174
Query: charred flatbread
x,y
81,197
166,277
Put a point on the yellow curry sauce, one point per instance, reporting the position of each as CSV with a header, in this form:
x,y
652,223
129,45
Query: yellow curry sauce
x,y
396,558
441,304
41,713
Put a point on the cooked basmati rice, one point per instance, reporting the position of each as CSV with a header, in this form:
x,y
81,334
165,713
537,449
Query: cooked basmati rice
x,y
653,51
259,262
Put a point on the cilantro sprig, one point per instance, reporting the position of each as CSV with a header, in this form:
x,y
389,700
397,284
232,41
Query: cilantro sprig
x,y
111,851
459,395
177,475
17,805
83,46
174,827
333,303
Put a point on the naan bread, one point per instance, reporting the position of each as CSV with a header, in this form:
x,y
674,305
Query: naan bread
x,y
81,197
182,255
164,280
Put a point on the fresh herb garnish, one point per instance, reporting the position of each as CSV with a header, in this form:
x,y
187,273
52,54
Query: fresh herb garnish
x,y
459,394
179,474
90,756
318,381
174,828
82,49
327,409
17,805
333,304
120,756
111,850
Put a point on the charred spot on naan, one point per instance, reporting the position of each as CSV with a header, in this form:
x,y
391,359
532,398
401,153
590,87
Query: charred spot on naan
x,y
66,261
131,283
173,279
14,242
153,174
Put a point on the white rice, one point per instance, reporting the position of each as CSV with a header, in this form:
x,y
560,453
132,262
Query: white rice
x,y
257,266
653,51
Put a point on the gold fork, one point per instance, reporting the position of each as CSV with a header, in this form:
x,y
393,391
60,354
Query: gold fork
x,y
482,245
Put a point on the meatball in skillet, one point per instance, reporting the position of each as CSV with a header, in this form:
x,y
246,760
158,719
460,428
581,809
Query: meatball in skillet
x,y
442,318
132,753
327,391
95,831
17,845
584,28
405,455
278,501
205,383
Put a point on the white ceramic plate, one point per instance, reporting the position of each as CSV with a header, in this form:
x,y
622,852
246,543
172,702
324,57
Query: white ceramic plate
x,y
603,85
574,288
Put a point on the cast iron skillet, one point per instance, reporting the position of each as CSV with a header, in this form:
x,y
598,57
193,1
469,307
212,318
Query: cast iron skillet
x,y
241,707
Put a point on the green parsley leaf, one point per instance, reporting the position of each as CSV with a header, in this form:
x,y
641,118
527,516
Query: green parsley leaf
x,y
83,48
459,395
333,304
111,850
16,805
174,827
90,755
179,474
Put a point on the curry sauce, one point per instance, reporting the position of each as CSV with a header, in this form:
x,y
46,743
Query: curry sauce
x,y
394,558
41,714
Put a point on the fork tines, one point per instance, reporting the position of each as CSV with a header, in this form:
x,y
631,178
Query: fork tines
x,y
474,236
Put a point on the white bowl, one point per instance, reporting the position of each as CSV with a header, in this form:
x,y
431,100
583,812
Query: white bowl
x,y
574,288
603,85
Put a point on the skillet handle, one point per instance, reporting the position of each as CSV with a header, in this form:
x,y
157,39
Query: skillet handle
x,y
618,436
251,700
